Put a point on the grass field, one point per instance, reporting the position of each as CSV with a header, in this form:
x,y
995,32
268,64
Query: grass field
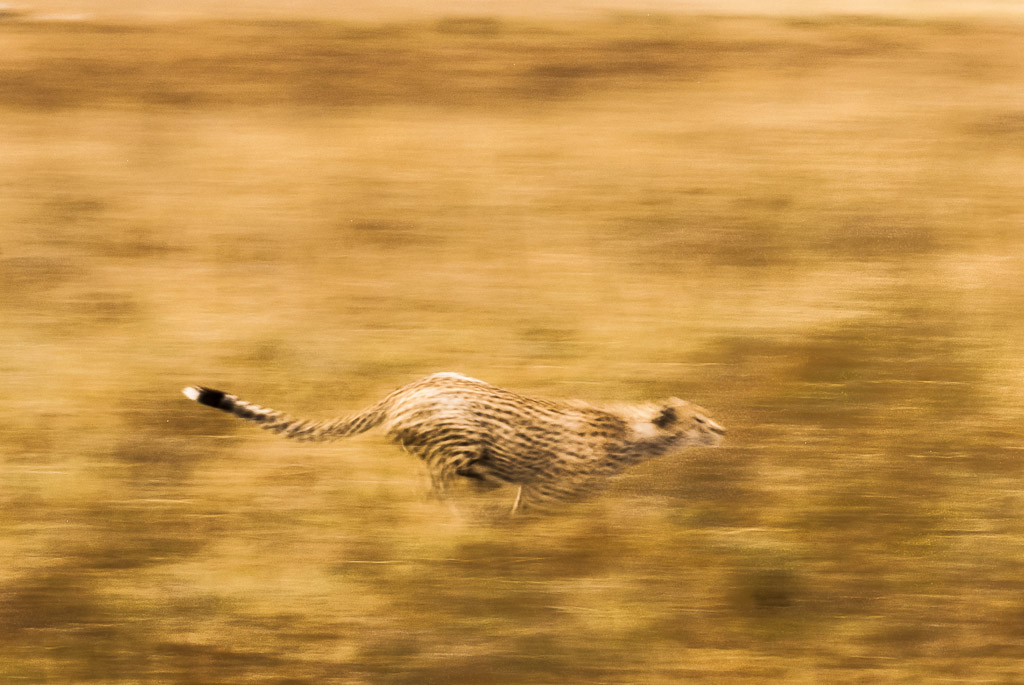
x,y
812,227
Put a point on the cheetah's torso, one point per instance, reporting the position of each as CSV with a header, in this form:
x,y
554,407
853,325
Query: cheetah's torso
x,y
465,427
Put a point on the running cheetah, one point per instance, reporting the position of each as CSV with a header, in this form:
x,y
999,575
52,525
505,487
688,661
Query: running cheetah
x,y
460,426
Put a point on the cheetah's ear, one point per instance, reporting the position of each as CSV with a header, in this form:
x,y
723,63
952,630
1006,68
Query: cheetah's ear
x,y
666,417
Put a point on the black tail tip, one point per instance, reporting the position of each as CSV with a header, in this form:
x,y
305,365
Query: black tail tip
x,y
208,396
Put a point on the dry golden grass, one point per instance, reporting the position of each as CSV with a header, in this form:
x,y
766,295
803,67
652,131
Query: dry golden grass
x,y
812,227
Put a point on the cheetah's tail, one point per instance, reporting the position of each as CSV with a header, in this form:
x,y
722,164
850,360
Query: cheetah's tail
x,y
286,425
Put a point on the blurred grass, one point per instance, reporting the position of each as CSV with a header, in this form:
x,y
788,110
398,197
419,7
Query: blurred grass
x,y
810,226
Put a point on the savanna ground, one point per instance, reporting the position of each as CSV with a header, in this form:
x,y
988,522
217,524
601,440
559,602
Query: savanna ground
x,y
812,227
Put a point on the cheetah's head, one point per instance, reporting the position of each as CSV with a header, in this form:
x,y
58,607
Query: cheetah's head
x,y
685,424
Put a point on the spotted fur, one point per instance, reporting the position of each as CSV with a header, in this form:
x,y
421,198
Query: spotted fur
x,y
463,427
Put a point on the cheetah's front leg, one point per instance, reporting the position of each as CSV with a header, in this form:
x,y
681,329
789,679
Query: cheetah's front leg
x,y
518,504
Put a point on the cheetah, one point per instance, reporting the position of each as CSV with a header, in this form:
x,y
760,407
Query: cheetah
x,y
465,428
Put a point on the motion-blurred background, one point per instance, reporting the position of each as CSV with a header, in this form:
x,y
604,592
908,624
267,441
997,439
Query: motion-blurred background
x,y
809,223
